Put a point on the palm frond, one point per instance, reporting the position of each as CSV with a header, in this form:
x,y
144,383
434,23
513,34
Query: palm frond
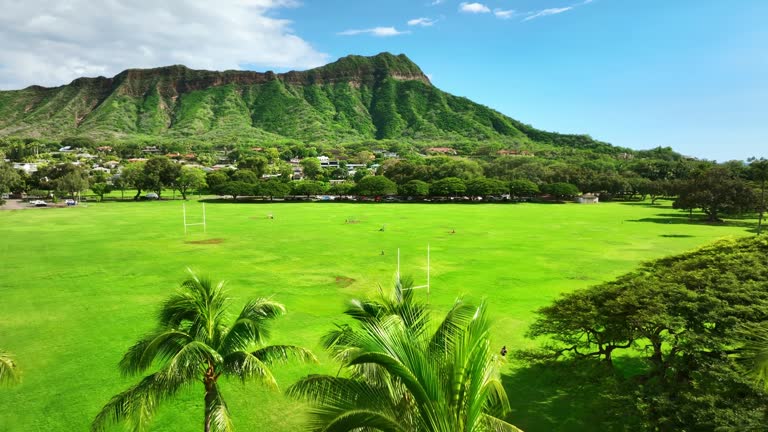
x,y
452,327
333,397
362,420
9,372
281,354
493,424
161,345
244,366
251,326
137,405
754,354
192,360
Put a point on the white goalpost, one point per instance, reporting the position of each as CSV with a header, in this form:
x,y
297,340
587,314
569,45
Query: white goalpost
x,y
427,286
184,211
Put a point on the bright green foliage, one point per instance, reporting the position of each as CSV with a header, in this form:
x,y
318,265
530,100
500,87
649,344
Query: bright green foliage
x,y
72,183
483,187
449,186
274,188
308,187
197,342
408,373
716,190
523,188
159,173
561,190
235,189
101,189
246,175
190,178
9,178
215,178
311,168
375,186
414,188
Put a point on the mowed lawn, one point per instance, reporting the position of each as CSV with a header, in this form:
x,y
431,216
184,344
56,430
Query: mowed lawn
x,y
79,285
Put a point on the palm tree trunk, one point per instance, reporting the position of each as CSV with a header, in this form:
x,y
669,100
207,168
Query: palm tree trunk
x,y
210,397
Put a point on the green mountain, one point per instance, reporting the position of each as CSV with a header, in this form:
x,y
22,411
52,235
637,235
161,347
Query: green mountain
x,y
355,98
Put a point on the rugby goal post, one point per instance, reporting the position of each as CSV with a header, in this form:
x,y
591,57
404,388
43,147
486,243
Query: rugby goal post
x,y
427,286
186,224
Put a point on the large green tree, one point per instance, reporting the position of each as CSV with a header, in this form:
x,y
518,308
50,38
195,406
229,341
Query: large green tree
x,y
449,186
308,187
311,168
196,342
72,183
683,317
414,188
190,178
483,187
408,373
9,178
160,173
375,186
235,189
716,190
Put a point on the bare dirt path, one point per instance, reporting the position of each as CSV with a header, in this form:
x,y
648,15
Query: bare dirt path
x,y
13,204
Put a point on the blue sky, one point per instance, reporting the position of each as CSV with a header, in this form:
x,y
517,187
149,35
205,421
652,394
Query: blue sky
x,y
688,74
692,75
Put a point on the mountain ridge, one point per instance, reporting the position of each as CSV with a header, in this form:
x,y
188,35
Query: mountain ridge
x,y
355,98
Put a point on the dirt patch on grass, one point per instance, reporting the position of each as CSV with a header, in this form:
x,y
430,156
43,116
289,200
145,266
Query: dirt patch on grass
x,y
205,242
343,281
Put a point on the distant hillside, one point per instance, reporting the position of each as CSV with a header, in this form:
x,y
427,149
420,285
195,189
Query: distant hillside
x,y
355,98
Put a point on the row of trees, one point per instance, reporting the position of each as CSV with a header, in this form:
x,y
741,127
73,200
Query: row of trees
x,y
404,372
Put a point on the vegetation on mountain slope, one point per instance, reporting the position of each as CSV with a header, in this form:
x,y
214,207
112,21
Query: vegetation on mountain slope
x,y
354,99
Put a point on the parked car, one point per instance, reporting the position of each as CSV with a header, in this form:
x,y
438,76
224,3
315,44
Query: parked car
x,y
70,202
151,196
39,203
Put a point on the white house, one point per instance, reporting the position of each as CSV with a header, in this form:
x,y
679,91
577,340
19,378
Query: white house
x,y
28,168
587,199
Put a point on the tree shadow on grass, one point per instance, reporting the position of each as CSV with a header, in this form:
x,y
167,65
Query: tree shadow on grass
x,y
572,396
698,219
644,204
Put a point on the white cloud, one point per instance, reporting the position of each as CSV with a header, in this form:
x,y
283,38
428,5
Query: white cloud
x,y
79,38
376,31
424,22
504,14
474,8
547,12
436,2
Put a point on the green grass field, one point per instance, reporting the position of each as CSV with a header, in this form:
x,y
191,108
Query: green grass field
x,y
79,285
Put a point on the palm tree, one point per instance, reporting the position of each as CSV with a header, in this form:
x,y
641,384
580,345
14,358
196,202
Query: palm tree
x,y
755,352
196,342
9,372
408,375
